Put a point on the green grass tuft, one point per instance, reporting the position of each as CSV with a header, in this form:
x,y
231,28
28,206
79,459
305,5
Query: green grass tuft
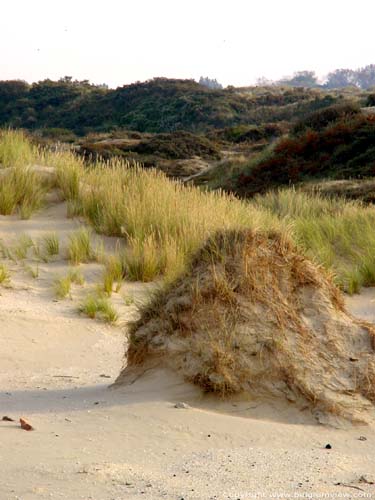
x,y
51,244
62,287
76,277
33,271
21,189
4,275
80,246
22,248
15,149
99,307
113,274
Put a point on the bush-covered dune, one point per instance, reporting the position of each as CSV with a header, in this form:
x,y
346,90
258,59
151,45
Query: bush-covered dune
x,y
334,143
170,146
158,105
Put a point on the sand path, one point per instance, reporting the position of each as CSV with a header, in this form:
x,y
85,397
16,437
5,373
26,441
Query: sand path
x,y
92,442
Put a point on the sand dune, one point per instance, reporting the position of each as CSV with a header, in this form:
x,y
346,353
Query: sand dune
x,y
100,443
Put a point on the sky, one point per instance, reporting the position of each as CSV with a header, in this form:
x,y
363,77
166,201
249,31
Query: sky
x,y
118,42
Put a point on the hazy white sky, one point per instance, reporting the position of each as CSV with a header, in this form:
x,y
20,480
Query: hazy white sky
x,y
121,41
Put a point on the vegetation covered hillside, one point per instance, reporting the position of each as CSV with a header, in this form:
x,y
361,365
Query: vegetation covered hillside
x,y
336,143
163,223
158,105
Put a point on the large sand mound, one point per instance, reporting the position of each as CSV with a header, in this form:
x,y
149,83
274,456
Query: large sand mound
x,y
252,315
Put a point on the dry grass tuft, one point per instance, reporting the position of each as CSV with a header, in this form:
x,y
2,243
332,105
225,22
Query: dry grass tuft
x,y
251,314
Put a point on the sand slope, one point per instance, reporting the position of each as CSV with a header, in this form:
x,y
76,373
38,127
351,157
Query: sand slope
x,y
93,442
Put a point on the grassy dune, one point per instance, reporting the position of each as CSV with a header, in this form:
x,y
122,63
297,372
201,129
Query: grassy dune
x,y
164,222
336,233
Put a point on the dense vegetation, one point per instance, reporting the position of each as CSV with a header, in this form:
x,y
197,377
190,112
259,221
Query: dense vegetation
x,y
159,105
176,145
336,143
164,222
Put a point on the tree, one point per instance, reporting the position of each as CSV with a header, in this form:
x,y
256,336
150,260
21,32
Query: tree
x,y
341,78
301,79
366,76
210,83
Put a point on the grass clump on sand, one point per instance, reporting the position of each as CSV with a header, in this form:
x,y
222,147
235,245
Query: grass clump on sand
x,y
76,277
63,284
251,314
99,307
62,287
51,244
4,275
22,247
113,274
80,246
33,271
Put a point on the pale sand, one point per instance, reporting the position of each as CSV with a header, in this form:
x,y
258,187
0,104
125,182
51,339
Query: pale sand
x,y
92,442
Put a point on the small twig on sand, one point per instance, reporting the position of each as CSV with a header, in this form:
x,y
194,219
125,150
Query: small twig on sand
x,y
7,419
349,486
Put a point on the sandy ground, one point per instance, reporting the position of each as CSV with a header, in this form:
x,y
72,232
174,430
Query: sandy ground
x,y
95,442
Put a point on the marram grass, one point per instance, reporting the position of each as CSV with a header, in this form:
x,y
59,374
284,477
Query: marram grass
x,y
164,222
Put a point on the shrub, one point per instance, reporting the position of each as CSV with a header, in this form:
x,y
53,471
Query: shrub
x,y
319,119
342,150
